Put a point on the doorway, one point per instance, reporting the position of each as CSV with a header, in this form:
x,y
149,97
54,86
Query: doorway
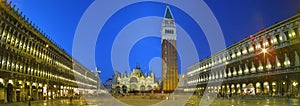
x,y
9,92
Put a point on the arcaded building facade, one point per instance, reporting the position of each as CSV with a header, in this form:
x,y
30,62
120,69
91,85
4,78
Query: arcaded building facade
x,y
32,66
265,63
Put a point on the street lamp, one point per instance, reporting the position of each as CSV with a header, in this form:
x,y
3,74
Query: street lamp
x,y
98,73
264,50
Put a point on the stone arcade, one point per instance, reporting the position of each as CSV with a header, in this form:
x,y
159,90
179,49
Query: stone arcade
x,y
266,63
32,66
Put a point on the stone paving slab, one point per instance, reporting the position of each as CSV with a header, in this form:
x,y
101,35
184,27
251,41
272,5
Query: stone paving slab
x,y
179,100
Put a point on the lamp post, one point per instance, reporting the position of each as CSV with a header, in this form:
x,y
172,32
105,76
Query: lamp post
x,y
98,81
288,90
85,88
264,51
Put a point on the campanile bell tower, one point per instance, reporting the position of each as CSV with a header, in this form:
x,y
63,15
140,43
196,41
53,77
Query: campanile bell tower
x,y
169,52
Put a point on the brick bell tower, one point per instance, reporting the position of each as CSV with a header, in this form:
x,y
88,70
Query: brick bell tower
x,y
169,53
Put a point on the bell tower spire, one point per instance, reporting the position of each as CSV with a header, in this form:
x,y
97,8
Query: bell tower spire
x,y
168,13
169,52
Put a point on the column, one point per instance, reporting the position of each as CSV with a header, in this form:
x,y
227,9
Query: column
x,y
14,96
270,89
222,89
22,90
279,88
5,93
298,91
37,93
36,96
262,88
298,30
254,85
30,92
47,90
289,86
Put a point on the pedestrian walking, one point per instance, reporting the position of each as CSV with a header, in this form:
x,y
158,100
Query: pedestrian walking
x,y
228,94
289,99
208,98
71,99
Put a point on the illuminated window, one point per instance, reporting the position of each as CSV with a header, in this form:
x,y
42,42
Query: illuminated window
x,y
287,62
245,51
17,43
234,72
277,39
281,37
287,35
8,37
228,57
4,35
251,49
239,53
20,46
258,46
246,71
274,41
266,43
240,71
28,69
253,69
224,58
229,73
233,55
296,32
12,65
24,46
260,67
12,40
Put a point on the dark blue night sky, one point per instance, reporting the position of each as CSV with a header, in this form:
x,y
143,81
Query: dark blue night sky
x,y
238,19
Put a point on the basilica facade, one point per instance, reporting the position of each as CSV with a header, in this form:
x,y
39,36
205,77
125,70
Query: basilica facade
x,y
135,81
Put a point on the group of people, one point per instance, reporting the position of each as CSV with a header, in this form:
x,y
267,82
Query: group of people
x,y
223,95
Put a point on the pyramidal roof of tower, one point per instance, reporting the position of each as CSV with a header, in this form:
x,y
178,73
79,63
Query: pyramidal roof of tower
x,y
168,13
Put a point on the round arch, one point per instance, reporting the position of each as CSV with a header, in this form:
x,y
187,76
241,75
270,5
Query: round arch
x,y
133,80
142,88
274,88
124,89
149,87
233,89
118,89
266,88
133,87
258,88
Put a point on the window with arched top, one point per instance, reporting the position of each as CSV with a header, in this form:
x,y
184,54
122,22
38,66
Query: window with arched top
x,y
133,80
